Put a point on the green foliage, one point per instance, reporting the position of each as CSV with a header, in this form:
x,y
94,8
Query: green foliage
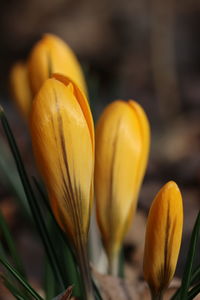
x,y
21,280
189,277
11,246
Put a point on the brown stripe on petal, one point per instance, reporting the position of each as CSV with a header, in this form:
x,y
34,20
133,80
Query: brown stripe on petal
x,y
166,249
49,64
75,202
65,191
70,192
165,271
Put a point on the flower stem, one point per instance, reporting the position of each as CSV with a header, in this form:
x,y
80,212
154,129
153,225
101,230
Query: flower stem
x,y
157,295
83,263
113,264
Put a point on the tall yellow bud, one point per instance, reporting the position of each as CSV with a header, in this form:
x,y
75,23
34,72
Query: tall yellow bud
x,y
63,143
20,88
122,147
163,238
52,55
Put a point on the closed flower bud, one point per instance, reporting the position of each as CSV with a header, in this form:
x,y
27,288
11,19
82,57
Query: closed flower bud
x,y
20,88
122,147
163,238
63,143
52,55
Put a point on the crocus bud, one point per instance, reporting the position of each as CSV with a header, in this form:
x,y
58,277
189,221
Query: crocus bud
x,y
63,143
163,238
52,55
122,147
20,88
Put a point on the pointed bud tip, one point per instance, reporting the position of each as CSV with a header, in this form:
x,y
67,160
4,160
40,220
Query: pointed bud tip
x,y
171,184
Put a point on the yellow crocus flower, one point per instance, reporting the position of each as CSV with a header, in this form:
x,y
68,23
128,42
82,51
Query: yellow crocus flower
x,y
63,142
52,55
163,238
20,88
122,147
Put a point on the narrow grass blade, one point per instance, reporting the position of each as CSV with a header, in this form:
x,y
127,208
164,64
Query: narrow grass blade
x,y
11,246
21,280
2,251
32,201
66,254
47,206
12,289
76,276
121,263
49,282
195,276
20,298
97,293
186,279
9,175
71,270
193,292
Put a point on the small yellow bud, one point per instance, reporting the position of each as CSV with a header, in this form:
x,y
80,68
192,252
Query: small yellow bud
x,y
163,238
52,55
122,147
20,88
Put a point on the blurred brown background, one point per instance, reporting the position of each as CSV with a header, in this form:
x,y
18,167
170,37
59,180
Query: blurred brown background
x,y
145,50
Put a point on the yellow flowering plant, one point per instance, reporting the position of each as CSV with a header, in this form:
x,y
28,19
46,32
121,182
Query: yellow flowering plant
x,y
48,56
163,238
51,93
52,55
122,147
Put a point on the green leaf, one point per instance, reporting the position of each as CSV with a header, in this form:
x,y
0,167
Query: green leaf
x,y
193,292
32,201
9,175
66,254
195,276
187,275
2,251
97,293
21,280
12,289
11,246
121,263
49,282
45,201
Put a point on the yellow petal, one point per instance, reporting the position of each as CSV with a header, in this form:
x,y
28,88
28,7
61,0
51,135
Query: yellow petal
x,y
52,55
63,147
119,168
145,138
163,237
82,100
20,88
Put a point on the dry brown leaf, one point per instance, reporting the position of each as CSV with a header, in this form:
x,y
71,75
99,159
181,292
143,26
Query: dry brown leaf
x,y
114,288
67,294
144,292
